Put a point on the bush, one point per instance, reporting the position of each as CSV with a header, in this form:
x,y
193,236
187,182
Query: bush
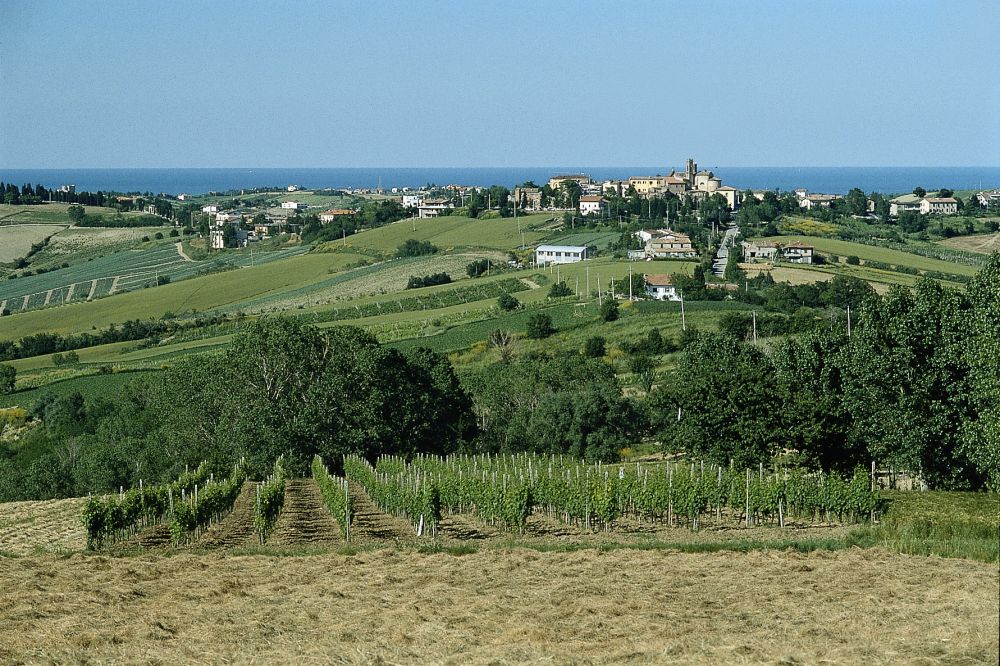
x,y
853,260
428,280
8,377
174,233
162,280
540,326
609,310
158,235
415,248
478,267
595,347
508,303
559,289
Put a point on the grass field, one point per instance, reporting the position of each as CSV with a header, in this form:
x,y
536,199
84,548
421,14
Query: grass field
x,y
48,213
447,233
504,606
16,239
885,255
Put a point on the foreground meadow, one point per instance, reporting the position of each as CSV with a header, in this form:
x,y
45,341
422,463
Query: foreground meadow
x,y
500,606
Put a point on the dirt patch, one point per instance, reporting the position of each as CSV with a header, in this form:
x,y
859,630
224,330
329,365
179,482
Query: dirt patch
x,y
371,526
236,529
500,606
304,520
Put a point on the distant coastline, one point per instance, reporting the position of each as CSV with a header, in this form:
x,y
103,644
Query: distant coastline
x,y
833,180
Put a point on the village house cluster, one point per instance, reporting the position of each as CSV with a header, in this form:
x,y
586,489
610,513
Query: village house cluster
x,y
763,250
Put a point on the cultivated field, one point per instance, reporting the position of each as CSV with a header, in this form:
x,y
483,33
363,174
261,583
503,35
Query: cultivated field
x,y
16,239
500,606
982,243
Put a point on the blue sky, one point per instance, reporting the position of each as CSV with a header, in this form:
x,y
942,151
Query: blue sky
x,y
336,84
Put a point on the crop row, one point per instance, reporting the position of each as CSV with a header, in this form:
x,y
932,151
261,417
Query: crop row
x,y
505,490
270,499
114,518
336,496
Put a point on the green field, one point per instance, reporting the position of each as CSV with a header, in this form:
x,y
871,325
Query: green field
x,y
196,294
91,386
447,233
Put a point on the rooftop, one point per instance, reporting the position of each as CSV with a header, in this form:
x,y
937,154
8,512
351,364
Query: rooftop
x,y
560,248
659,280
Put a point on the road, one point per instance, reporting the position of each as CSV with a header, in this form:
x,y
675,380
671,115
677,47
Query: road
x,y
722,256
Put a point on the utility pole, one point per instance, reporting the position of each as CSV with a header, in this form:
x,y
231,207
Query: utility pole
x,y
848,321
630,280
684,326
755,327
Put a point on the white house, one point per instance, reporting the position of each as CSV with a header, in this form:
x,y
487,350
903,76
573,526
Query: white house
x,y
331,215
661,287
797,253
216,237
559,254
591,204
292,188
939,205
211,209
411,200
433,207
293,205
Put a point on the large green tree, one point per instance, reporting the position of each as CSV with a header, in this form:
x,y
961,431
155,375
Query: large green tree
x,y
982,433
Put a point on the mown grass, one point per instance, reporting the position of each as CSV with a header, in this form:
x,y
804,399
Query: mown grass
x,y
90,386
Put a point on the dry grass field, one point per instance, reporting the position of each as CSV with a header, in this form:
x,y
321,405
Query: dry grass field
x,y
16,239
32,527
983,243
499,606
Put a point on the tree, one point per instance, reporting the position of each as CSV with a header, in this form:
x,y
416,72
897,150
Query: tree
x,y
919,192
727,408
504,341
415,248
594,347
559,290
856,202
508,302
907,382
8,377
539,326
981,435
76,213
229,237
609,310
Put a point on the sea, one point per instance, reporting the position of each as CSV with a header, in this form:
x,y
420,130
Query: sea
x,y
827,180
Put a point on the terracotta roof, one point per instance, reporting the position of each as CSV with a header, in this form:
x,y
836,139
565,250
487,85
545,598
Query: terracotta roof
x,y
799,245
593,198
942,200
659,280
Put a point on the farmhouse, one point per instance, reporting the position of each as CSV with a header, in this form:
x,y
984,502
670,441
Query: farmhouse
x,y
939,205
559,254
665,244
759,251
334,213
903,204
211,209
661,287
411,200
988,199
591,204
433,207
797,253
293,205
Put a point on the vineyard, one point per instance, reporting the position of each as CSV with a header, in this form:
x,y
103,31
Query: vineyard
x,y
504,491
